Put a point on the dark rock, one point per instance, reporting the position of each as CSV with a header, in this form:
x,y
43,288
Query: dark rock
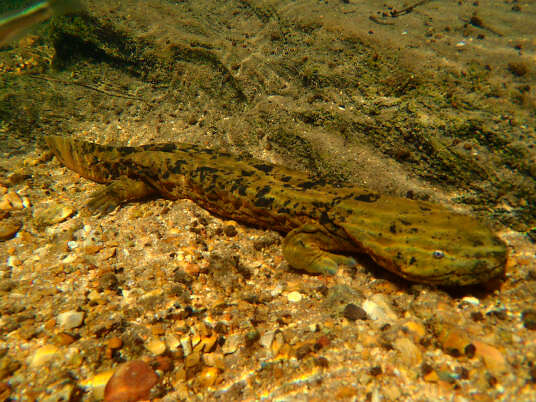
x,y
266,241
477,316
108,281
500,314
303,351
353,312
230,230
375,371
252,337
7,285
532,373
470,351
321,362
529,319
182,277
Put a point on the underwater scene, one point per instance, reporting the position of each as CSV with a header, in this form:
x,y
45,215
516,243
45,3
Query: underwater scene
x,y
288,200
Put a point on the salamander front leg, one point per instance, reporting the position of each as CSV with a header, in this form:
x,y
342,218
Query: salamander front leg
x,y
304,248
118,192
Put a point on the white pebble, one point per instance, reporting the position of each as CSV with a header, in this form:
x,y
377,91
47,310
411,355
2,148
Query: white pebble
x,y
267,338
294,297
231,344
471,300
43,355
186,344
70,319
378,309
156,346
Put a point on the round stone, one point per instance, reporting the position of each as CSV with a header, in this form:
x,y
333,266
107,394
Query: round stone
x,y
70,319
8,229
353,312
294,297
131,382
529,319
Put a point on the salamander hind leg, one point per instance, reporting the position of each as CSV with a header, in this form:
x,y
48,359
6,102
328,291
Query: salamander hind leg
x,y
118,192
304,248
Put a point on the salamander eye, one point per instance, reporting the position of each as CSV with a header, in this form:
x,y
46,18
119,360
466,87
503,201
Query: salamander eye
x,y
439,254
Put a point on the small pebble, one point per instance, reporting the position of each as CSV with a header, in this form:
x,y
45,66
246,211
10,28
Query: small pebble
x,y
252,337
131,382
409,352
97,383
532,373
108,281
529,319
156,346
294,297
303,351
416,329
353,312
267,338
214,360
13,261
230,230
321,361
11,201
43,355
208,376
375,371
493,358
378,309
186,344
455,341
163,363
172,342
192,359
231,344
115,343
471,300
65,339
53,214
8,229
70,319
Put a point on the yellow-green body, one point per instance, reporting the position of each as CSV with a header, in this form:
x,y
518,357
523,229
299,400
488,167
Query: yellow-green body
x,y
418,240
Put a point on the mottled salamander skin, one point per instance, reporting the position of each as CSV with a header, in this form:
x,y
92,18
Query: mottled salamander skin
x,y
420,241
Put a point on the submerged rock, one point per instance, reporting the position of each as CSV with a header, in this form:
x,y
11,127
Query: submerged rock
x,y
53,214
131,382
8,229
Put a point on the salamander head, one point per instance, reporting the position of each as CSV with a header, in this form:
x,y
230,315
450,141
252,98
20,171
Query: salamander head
x,y
427,243
452,250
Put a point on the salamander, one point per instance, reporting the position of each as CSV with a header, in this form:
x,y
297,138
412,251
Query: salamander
x,y
325,224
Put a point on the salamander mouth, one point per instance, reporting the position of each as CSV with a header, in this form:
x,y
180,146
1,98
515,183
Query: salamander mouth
x,y
481,272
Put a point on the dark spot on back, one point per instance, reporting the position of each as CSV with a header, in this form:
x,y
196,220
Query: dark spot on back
x,y
263,202
319,204
264,168
324,218
263,191
424,208
311,184
370,197
206,172
178,166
